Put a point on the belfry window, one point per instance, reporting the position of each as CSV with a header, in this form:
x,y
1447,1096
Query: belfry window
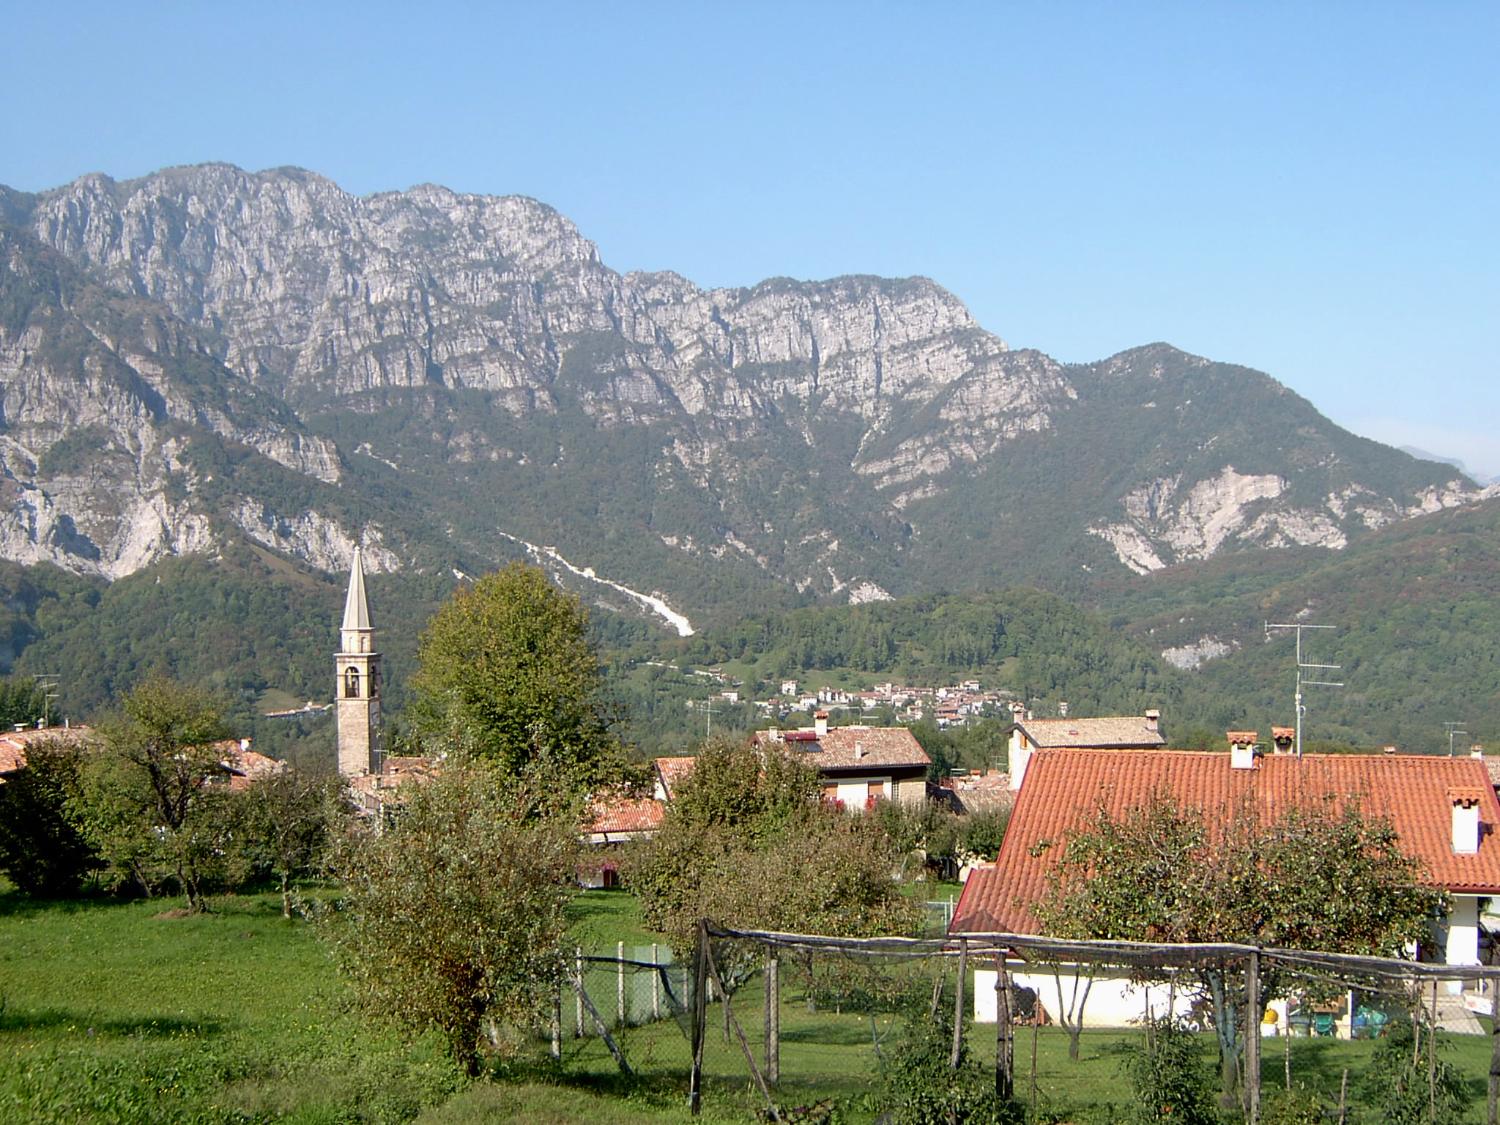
x,y
351,684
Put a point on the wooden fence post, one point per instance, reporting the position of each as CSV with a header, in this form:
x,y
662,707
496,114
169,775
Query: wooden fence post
x,y
620,1012
700,1018
1432,1057
655,982
1494,1093
773,1018
1004,1062
578,998
958,1005
555,1048
1253,1012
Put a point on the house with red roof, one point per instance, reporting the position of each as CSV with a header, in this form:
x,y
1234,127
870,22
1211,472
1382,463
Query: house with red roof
x,y
858,765
1444,810
1113,732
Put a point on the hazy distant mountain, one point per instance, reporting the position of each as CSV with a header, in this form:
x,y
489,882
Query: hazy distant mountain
x,y
1424,455
206,354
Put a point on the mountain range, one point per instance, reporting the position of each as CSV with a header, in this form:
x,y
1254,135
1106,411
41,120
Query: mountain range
x,y
208,356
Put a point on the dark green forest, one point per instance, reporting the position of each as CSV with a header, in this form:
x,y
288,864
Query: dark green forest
x,y
1416,612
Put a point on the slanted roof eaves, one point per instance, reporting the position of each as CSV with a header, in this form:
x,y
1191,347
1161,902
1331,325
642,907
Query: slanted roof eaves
x,y
855,747
1113,732
1064,787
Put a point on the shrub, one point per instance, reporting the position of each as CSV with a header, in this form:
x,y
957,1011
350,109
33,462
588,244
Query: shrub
x,y
1397,1081
41,846
923,1088
1170,1079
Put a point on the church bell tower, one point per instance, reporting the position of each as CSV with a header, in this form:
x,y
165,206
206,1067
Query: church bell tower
x,y
357,690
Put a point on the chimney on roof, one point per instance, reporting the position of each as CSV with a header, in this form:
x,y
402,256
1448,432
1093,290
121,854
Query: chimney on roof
x,y
1242,749
1153,721
1476,752
820,724
1388,750
1465,804
1282,738
859,751
1062,709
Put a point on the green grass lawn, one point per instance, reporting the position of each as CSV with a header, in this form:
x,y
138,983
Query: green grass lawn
x,y
116,1012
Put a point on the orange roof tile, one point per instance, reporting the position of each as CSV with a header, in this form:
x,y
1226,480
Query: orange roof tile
x,y
855,746
1112,732
624,815
1063,788
13,743
672,771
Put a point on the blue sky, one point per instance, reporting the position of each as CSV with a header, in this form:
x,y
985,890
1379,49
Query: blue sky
x,y
1310,189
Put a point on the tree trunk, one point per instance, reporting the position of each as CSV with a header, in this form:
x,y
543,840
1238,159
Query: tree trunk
x,y
1225,1016
286,897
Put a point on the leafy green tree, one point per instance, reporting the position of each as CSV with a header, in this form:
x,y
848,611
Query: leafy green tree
x,y
152,801
42,848
453,917
1313,878
22,700
746,842
288,821
507,675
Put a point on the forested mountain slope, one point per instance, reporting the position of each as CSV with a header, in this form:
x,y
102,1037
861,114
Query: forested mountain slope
x,y
449,377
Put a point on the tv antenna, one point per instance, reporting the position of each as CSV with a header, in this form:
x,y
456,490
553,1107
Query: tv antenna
x,y
1454,730
47,683
1305,666
709,711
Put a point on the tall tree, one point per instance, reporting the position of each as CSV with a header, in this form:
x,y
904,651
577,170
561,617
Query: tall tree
x,y
453,916
149,802
1313,878
507,675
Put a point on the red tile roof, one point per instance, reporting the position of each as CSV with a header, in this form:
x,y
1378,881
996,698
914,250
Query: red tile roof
x,y
624,816
13,743
671,771
854,747
1118,732
1063,788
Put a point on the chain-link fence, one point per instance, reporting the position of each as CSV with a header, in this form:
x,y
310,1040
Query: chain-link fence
x,y
803,1027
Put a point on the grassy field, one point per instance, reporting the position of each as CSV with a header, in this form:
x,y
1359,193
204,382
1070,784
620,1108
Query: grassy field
x,y
123,1012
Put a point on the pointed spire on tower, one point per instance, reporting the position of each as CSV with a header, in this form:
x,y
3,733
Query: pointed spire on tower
x,y
356,609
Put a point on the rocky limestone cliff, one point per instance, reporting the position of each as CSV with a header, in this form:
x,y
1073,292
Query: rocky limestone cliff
x,y
835,438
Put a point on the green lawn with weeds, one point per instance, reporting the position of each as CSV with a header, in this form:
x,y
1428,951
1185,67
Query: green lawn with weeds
x,y
131,1012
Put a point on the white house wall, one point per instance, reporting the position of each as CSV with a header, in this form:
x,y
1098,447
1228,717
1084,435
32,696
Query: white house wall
x,y
1113,1001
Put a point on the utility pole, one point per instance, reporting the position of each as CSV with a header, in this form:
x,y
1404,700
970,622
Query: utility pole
x,y
1304,666
1454,730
